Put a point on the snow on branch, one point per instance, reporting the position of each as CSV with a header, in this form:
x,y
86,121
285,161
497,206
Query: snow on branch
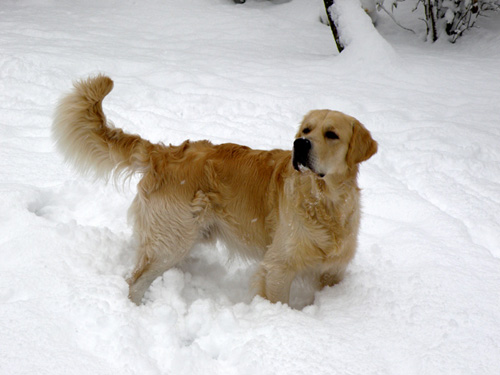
x,y
452,17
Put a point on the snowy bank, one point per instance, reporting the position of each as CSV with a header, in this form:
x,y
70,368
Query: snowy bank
x,y
422,295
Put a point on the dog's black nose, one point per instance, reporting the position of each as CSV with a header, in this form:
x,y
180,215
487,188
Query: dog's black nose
x,y
302,146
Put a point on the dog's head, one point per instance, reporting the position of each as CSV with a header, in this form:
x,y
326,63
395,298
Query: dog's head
x,y
330,142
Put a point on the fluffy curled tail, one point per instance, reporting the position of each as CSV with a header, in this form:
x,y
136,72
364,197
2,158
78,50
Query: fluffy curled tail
x,y
91,143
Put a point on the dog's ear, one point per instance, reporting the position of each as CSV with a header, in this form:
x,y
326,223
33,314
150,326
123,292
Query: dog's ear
x,y
362,146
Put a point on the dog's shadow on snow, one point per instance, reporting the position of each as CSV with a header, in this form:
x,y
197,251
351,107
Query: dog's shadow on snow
x,y
211,273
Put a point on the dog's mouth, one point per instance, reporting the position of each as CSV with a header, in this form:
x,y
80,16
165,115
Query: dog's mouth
x,y
304,168
301,159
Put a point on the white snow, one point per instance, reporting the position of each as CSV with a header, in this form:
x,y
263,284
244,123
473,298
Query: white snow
x,y
423,293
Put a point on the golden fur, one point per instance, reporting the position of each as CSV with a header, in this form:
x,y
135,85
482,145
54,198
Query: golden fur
x,y
297,216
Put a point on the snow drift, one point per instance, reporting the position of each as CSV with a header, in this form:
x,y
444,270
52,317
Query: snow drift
x,y
422,293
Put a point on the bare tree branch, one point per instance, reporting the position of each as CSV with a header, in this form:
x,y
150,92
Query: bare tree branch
x,y
380,5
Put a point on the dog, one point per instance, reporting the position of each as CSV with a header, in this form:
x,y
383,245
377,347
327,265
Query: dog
x,y
298,211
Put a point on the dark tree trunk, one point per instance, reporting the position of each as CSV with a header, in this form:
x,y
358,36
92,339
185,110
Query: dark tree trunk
x,y
430,19
328,4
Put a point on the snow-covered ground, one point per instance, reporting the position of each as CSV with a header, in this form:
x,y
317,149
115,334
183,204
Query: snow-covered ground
x,y
423,293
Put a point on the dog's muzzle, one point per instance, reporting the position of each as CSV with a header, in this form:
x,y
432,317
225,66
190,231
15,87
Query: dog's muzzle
x,y
302,156
301,148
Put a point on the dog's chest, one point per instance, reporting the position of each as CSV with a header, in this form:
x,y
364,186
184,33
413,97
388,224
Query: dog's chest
x,y
326,227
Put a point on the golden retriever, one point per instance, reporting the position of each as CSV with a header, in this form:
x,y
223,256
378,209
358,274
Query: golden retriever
x,y
297,211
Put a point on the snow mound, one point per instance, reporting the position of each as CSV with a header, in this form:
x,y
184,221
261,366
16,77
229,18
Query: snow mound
x,y
422,294
363,43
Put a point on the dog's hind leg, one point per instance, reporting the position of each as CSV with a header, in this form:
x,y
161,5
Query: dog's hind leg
x,y
146,271
166,235
152,264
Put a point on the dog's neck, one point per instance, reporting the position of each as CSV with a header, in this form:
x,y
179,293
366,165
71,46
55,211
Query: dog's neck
x,y
334,188
333,180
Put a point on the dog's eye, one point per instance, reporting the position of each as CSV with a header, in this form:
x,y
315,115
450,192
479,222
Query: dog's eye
x,y
306,131
331,135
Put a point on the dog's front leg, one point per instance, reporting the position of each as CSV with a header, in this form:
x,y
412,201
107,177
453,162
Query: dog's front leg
x,y
273,281
331,278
